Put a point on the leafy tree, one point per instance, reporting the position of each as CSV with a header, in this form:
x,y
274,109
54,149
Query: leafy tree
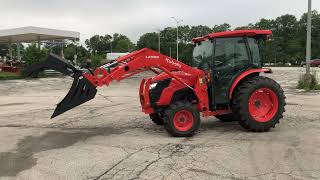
x,y
148,40
82,54
99,44
32,54
315,33
96,60
249,26
221,27
69,51
265,24
198,31
122,43
103,44
185,53
168,41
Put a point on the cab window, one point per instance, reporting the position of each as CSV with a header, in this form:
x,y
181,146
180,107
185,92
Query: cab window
x,y
254,51
231,52
202,55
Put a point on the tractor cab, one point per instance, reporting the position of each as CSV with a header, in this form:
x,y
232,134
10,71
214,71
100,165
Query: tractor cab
x,y
224,56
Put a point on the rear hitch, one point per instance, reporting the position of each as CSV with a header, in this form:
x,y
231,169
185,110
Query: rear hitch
x,y
81,91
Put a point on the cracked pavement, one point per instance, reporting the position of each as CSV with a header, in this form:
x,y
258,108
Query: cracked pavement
x,y
110,138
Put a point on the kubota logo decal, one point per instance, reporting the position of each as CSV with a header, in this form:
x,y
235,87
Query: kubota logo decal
x,y
169,61
152,57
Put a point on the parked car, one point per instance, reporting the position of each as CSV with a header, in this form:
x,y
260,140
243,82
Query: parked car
x,y
313,63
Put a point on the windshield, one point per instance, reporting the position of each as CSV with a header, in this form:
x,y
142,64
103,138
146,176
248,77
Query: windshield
x,y
202,55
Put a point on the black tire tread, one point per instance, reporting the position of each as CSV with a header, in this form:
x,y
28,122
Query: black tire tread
x,y
240,109
168,118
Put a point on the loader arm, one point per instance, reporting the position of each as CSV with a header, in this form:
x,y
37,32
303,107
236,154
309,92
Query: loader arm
x,y
136,62
144,60
84,85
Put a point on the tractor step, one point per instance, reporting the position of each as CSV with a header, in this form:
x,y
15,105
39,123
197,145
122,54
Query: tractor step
x,y
81,91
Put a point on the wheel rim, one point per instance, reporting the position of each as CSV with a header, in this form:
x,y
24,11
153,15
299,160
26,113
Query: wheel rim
x,y
183,120
263,104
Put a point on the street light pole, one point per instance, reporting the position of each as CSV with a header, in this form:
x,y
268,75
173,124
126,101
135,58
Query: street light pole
x,y
308,46
111,44
159,39
159,44
177,21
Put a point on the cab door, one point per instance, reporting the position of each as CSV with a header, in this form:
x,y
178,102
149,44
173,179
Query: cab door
x,y
231,57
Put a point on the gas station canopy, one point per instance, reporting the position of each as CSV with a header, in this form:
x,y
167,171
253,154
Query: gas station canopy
x,y
35,34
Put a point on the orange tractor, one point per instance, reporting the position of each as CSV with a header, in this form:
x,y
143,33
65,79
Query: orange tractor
x,y
224,81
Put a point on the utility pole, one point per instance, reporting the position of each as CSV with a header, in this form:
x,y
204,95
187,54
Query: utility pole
x,y
177,21
159,43
18,51
10,50
308,46
159,40
111,44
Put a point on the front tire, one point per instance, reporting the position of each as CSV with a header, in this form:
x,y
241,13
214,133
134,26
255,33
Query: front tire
x,y
259,103
182,119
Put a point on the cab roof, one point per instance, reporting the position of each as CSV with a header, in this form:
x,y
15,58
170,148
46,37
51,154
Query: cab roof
x,y
235,33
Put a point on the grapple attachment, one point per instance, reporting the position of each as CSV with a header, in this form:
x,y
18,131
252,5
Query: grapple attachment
x,y
81,91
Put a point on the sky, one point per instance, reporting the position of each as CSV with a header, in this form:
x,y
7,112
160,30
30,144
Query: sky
x,y
136,17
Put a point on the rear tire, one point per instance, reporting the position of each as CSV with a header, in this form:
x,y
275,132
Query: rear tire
x,y
227,117
182,119
259,103
156,118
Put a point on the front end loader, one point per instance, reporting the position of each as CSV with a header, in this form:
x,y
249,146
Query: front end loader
x,y
224,81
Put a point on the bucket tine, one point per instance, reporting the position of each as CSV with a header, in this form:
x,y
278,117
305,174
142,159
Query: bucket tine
x,y
53,62
81,91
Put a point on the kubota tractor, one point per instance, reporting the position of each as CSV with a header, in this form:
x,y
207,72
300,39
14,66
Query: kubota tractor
x,y
224,81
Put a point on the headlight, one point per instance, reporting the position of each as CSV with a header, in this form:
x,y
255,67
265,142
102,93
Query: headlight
x,y
152,86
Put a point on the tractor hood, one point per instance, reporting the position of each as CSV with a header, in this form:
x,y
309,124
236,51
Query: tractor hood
x,y
190,79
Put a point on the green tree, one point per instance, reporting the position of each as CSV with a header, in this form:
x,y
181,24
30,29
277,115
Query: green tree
x,y
99,44
249,26
168,41
32,54
265,24
198,31
69,51
121,43
148,40
82,54
96,60
221,27
315,33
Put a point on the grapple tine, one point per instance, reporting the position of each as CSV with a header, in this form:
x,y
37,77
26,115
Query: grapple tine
x,y
80,92
53,62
